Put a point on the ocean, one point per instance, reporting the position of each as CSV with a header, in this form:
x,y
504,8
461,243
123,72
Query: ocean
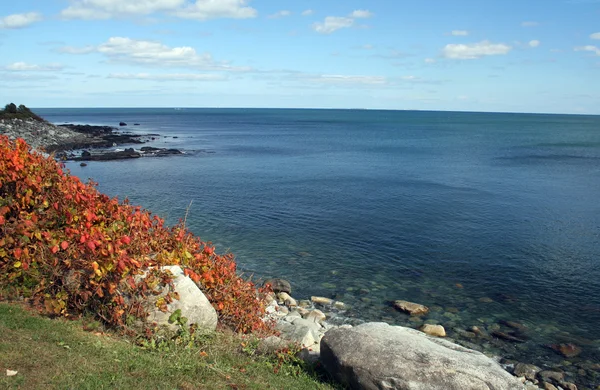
x,y
483,217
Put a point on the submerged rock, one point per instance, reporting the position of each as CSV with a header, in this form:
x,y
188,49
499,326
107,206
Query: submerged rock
x,y
321,300
414,309
528,371
567,350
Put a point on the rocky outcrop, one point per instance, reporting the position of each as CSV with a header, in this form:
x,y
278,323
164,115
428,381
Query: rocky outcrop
x,y
41,134
380,356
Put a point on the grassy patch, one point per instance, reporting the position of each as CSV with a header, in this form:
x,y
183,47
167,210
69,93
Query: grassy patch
x,y
59,354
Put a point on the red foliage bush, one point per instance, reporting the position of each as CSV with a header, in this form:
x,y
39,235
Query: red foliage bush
x,y
74,250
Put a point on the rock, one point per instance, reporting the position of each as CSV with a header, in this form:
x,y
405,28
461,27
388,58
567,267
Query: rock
x,y
433,330
568,385
192,303
549,386
85,153
270,345
122,124
414,309
83,164
380,356
529,371
567,350
321,300
340,305
315,316
279,285
287,300
284,310
507,337
310,355
514,325
480,333
486,300
306,336
136,124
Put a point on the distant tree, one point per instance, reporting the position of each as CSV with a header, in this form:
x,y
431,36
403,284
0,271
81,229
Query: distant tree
x,y
11,108
24,109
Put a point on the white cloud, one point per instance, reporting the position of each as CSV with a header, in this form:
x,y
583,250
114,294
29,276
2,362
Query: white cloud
x,y
168,77
106,9
307,12
475,50
212,9
590,48
529,24
349,80
199,10
19,20
534,43
76,50
151,53
430,60
334,23
595,35
459,33
361,14
25,67
280,14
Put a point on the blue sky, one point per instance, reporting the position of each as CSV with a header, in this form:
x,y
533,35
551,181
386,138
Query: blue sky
x,y
484,55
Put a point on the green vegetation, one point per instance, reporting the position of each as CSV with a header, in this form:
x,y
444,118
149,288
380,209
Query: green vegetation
x,y
59,354
11,111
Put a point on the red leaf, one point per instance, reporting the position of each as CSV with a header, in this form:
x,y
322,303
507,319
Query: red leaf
x,y
64,245
125,240
17,253
54,249
90,244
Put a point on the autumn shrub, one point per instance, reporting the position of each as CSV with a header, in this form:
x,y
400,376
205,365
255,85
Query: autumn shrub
x,y
74,250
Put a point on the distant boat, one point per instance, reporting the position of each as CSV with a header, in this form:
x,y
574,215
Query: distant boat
x,y
178,109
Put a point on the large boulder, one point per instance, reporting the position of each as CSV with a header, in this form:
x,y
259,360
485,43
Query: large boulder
x,y
192,302
379,356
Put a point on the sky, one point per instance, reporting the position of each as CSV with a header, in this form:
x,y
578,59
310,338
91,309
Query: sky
x,y
538,56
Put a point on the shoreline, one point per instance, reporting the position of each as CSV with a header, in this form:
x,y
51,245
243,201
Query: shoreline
x,y
64,139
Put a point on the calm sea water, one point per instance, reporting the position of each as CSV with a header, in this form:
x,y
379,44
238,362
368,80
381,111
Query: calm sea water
x,y
366,206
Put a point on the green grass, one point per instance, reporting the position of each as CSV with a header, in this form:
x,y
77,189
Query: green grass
x,y
60,354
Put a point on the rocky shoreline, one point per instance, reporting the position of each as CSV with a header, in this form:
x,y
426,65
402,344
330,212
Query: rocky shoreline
x,y
308,322
64,139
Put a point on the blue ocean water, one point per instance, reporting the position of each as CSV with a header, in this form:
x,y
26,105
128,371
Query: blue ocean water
x,y
442,208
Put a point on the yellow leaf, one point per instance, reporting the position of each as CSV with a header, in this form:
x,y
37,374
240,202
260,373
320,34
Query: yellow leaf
x,y
17,264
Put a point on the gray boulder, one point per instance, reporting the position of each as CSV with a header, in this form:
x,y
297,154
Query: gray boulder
x,y
192,302
279,285
379,356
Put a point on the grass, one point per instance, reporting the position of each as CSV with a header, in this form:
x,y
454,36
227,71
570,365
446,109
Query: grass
x,y
60,354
